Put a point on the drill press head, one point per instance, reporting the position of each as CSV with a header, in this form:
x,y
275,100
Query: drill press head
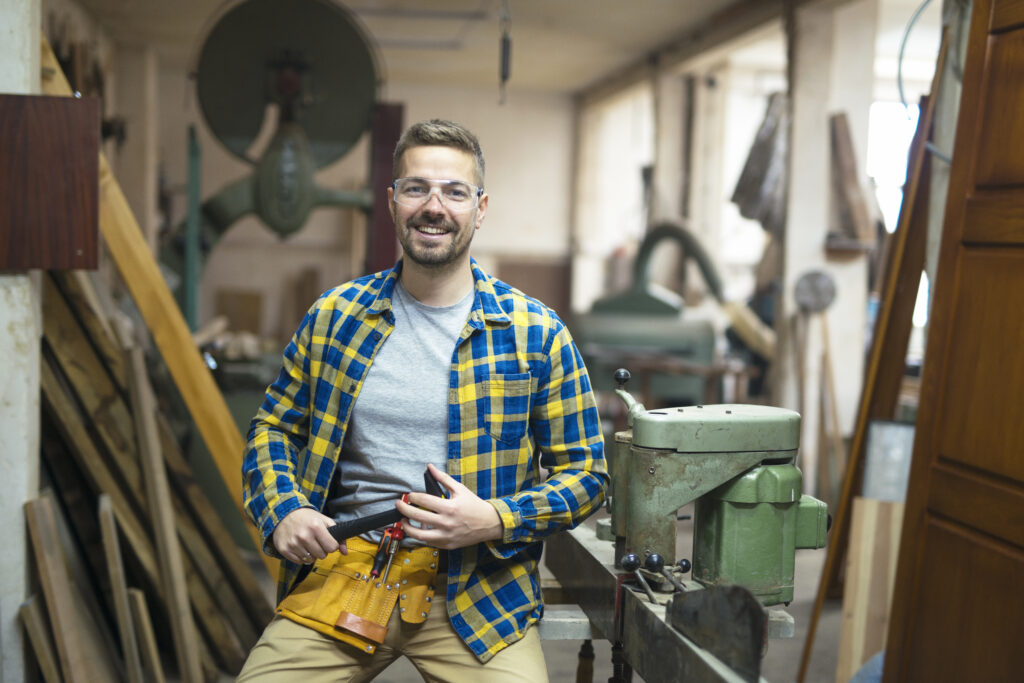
x,y
736,461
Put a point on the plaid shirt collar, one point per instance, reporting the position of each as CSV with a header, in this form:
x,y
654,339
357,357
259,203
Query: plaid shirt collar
x,y
485,302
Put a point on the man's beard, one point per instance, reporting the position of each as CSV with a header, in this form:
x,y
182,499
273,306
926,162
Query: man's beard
x,y
437,256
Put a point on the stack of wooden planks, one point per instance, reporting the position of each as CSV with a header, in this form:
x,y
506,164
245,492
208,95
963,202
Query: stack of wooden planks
x,y
91,448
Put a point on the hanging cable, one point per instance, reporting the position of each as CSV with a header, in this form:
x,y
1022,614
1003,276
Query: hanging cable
x,y
505,64
903,45
935,151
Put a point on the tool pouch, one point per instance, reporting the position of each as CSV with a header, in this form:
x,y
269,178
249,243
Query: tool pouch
x,y
337,597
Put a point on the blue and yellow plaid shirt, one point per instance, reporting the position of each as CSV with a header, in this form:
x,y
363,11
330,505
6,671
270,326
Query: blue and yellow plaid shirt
x,y
518,389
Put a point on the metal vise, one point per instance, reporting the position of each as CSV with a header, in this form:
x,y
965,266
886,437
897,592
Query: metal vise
x,y
736,462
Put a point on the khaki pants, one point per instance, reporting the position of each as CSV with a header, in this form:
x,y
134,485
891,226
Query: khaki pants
x,y
289,652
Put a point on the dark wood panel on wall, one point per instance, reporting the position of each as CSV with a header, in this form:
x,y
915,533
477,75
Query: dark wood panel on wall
x,y
49,182
546,281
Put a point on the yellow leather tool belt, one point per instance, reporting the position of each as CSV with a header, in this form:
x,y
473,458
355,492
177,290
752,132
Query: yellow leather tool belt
x,y
340,600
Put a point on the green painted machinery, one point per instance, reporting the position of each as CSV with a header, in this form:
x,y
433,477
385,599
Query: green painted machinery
x,y
736,463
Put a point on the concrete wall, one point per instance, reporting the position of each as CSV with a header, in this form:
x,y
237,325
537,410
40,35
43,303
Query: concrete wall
x,y
20,331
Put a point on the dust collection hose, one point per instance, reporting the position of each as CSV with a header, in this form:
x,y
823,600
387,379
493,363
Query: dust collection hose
x,y
691,247
758,336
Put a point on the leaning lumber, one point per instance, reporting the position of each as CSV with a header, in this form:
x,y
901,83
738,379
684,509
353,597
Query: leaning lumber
x,y
144,631
141,274
33,619
61,417
113,431
80,659
242,593
172,569
119,591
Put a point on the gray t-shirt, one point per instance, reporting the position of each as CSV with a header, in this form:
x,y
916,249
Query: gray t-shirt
x,y
399,422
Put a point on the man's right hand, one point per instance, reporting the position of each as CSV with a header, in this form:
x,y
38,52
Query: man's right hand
x,y
302,536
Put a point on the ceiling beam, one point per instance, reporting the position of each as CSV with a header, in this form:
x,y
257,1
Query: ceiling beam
x,y
719,29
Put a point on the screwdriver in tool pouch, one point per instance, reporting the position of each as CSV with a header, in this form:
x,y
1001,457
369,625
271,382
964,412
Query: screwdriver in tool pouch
x,y
389,543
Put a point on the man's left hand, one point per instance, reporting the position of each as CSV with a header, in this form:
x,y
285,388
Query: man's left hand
x,y
461,520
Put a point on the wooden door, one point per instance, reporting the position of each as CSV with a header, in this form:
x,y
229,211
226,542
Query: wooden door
x,y
958,609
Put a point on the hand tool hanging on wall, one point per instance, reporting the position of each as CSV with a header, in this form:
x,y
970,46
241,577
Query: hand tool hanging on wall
x,y
814,292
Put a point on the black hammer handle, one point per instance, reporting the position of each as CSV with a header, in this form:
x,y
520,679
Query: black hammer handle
x,y
346,530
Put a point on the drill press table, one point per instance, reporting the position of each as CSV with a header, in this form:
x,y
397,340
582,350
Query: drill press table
x,y
585,567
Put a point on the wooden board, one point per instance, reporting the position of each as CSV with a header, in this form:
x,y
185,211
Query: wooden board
x,y
63,415
172,570
119,589
958,610
241,594
854,219
870,573
141,274
144,633
114,432
33,619
61,604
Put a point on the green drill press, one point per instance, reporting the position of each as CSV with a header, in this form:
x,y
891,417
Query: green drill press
x,y
736,462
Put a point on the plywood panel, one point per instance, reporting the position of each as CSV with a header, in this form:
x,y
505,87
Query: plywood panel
x,y
870,573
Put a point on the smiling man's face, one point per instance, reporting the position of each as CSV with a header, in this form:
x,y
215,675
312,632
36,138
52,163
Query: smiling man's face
x,y
432,235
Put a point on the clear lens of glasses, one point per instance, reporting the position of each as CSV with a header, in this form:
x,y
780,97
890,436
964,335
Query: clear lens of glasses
x,y
455,195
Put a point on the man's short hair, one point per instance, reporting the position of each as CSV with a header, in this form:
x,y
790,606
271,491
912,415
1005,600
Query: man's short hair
x,y
440,133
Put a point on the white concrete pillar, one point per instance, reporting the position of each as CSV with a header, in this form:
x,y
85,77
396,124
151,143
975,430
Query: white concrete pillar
x,y
832,71
20,331
137,76
853,77
670,119
706,189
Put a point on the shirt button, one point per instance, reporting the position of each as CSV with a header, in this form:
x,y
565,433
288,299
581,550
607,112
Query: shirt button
x,y
376,336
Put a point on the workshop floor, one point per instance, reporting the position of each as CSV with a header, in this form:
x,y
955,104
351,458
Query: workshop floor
x,y
780,664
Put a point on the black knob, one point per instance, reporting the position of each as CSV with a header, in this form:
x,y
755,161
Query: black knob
x,y
684,565
654,563
621,377
630,562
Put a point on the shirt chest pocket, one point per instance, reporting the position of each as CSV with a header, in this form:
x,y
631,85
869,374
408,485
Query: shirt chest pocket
x,y
507,406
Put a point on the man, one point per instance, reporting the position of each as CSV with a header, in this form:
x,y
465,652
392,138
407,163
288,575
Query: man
x,y
432,364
